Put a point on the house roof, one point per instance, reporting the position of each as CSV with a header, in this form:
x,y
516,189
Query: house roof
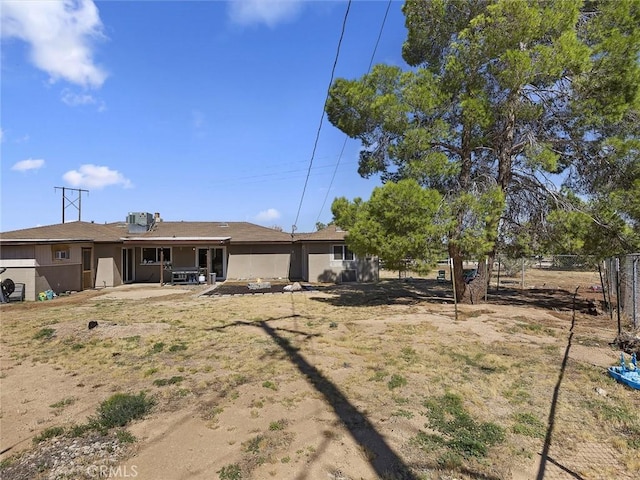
x,y
330,233
236,232
240,232
67,232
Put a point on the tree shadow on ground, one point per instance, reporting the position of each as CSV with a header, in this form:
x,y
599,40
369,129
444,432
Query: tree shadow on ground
x,y
544,455
386,292
380,455
416,291
383,459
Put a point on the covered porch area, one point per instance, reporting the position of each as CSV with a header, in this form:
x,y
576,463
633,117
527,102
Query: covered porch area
x,y
175,260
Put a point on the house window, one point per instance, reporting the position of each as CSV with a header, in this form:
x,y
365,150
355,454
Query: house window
x,y
342,252
60,252
153,255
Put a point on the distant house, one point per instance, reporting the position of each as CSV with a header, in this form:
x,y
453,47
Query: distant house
x,y
145,249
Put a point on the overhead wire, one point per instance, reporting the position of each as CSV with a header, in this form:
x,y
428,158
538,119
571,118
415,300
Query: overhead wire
x,y
315,145
346,137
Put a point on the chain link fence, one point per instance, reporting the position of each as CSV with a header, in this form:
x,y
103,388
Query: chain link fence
x,y
617,279
622,285
560,271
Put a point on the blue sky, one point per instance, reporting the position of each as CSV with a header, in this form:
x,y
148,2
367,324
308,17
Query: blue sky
x,y
198,110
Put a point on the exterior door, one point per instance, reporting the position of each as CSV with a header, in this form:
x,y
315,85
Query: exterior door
x,y
87,270
127,265
218,262
215,264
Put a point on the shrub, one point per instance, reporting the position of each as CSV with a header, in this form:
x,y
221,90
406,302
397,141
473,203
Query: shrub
x,y
121,408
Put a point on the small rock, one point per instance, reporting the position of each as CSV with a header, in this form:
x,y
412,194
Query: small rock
x,y
92,324
600,391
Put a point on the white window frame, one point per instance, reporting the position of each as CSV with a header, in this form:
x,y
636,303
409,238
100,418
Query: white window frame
x,y
61,255
344,251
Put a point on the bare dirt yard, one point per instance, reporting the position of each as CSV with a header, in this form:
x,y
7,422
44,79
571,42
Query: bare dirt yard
x,y
337,382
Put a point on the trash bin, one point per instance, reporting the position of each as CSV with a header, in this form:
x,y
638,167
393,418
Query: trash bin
x,y
212,278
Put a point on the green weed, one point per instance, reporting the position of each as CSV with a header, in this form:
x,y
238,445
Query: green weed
x,y
161,382
278,425
528,425
230,472
460,433
178,347
396,381
378,376
48,433
44,334
402,413
124,436
63,403
409,355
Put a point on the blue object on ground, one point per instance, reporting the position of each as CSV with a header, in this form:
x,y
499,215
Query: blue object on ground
x,y
629,375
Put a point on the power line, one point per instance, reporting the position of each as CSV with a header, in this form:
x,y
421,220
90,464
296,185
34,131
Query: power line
x,y
346,137
315,145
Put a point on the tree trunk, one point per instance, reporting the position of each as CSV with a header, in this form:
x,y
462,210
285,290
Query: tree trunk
x,y
458,273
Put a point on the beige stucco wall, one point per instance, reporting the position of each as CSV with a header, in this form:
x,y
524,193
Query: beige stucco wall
x,y
322,267
26,275
108,261
44,253
183,257
248,262
42,272
59,278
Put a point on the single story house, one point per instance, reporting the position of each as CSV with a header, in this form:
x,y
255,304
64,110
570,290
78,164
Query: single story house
x,y
145,249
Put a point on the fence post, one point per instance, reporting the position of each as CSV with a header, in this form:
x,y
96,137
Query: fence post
x,y
618,293
634,281
604,293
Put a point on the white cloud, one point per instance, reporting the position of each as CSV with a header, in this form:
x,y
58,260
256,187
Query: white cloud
x,y
1,135
80,99
269,12
268,215
60,34
95,176
29,164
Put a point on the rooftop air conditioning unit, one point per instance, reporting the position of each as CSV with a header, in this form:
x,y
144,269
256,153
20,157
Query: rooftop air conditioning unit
x,y
139,222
